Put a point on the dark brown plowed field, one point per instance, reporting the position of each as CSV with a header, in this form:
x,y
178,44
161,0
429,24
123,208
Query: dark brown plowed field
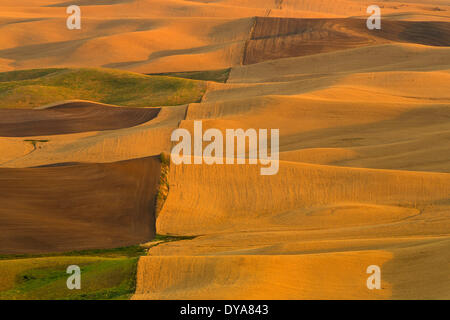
x,y
64,208
275,38
73,117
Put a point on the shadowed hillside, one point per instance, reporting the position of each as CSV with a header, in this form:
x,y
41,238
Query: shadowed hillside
x,y
71,117
274,38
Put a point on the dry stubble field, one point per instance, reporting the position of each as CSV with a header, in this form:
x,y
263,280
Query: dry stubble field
x,y
364,119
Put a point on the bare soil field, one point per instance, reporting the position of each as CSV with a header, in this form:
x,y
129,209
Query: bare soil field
x,y
71,117
77,206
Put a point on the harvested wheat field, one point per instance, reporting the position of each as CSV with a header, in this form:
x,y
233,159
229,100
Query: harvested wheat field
x,y
363,169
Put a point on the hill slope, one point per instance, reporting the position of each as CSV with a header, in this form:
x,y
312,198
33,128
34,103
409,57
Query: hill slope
x,y
73,207
34,88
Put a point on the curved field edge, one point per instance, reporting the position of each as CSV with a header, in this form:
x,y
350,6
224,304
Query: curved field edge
x,y
71,117
38,87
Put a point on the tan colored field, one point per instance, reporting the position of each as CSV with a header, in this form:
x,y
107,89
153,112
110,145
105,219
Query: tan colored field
x,y
364,119
275,38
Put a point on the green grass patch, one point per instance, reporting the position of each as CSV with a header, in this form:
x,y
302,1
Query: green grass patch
x,y
106,274
34,88
210,75
34,143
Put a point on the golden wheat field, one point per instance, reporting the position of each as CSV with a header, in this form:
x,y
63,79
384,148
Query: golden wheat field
x,y
87,118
